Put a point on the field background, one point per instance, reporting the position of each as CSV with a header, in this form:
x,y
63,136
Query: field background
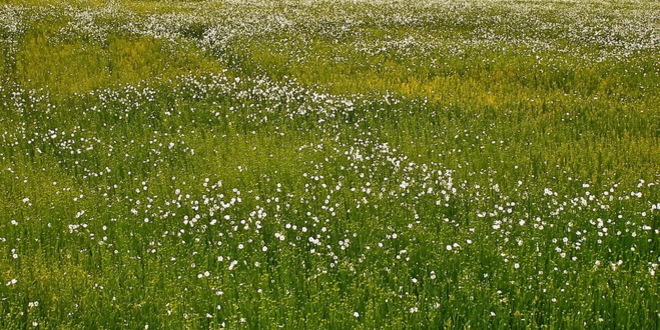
x,y
329,164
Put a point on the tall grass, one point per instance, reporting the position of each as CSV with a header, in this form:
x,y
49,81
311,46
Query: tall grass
x,y
370,164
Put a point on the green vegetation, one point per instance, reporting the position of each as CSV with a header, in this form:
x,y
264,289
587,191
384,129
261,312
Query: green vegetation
x,y
351,164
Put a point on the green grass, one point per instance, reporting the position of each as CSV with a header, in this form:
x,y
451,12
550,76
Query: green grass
x,y
201,164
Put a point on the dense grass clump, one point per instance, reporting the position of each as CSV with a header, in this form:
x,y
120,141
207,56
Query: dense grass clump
x,y
345,164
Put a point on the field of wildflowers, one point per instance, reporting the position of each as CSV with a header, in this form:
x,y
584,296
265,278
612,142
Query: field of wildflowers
x,y
329,164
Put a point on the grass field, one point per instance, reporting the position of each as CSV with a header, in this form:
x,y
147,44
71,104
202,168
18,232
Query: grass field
x,y
329,164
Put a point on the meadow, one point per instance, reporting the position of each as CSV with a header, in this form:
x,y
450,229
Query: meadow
x,y
329,164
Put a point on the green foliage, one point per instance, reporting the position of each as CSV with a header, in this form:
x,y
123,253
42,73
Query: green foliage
x,y
204,164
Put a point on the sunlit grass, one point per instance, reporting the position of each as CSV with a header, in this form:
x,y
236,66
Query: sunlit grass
x,y
204,164
76,66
